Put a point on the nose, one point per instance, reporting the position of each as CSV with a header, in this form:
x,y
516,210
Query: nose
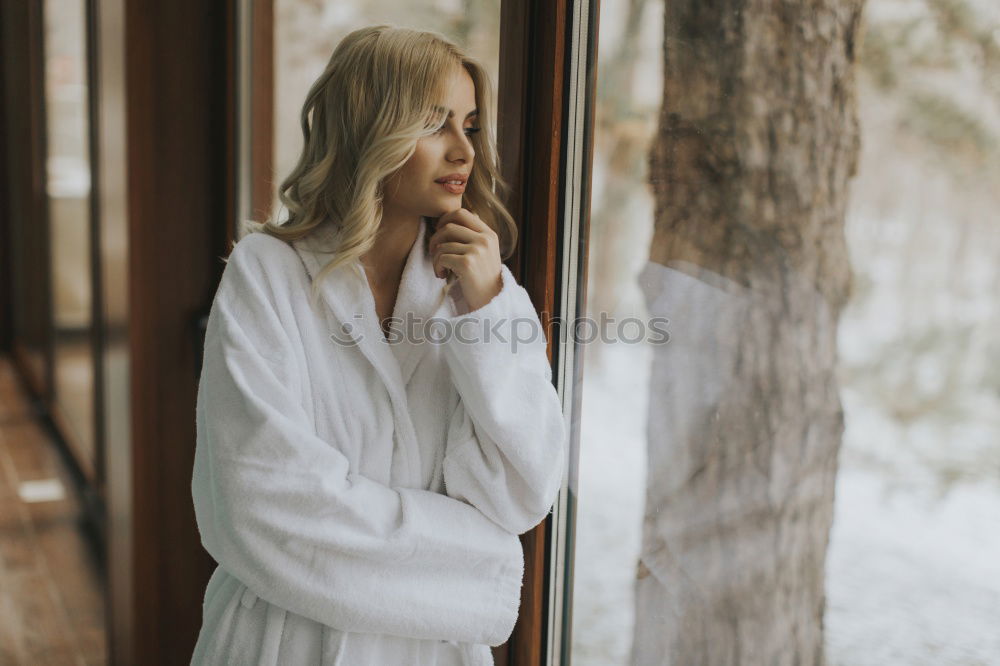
x,y
461,149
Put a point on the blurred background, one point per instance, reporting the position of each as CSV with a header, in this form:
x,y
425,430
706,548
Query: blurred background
x,y
913,567
808,471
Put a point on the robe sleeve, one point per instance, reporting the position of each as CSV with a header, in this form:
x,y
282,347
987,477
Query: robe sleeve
x,y
280,509
505,451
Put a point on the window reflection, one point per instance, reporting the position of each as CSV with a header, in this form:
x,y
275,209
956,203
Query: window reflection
x,y
615,393
68,188
809,463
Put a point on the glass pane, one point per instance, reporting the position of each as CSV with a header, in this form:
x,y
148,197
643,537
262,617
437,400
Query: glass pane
x,y
807,464
68,166
913,571
612,447
306,32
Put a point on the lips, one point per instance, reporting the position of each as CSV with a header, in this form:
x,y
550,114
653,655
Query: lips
x,y
464,177
456,184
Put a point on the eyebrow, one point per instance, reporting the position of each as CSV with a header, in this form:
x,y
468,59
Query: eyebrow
x,y
474,112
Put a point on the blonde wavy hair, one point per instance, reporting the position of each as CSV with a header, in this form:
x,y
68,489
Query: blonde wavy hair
x,y
380,92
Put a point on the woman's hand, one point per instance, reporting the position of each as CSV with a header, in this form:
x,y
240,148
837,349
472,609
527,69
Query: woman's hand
x,y
468,247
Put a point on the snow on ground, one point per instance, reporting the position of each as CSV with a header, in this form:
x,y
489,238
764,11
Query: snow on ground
x,y
913,578
913,573
611,498
913,568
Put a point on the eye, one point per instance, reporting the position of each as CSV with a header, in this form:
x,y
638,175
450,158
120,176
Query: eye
x,y
469,131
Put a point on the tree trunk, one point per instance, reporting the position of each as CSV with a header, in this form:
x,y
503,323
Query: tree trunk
x,y
757,141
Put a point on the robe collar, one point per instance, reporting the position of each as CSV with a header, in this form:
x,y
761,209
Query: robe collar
x,y
421,295
351,314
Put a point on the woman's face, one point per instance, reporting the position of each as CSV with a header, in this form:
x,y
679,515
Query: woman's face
x,y
417,188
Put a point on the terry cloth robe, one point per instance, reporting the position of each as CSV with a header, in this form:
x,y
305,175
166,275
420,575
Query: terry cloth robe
x,y
363,498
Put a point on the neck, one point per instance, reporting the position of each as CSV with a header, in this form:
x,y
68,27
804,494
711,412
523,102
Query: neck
x,y
393,242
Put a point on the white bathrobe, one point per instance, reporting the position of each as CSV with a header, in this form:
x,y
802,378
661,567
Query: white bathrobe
x,y
363,498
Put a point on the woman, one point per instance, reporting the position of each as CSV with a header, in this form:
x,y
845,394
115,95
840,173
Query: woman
x,y
361,484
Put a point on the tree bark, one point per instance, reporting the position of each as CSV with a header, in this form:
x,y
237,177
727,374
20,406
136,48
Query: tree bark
x,y
757,142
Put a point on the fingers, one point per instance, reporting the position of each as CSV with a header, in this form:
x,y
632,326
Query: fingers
x,y
453,232
446,250
463,217
457,263
461,243
451,248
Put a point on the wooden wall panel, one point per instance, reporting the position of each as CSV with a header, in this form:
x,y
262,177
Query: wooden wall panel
x,y
177,150
29,327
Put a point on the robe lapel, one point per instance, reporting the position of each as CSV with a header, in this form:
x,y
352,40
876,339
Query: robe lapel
x,y
420,297
351,312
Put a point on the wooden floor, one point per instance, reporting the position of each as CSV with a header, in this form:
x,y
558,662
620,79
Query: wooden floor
x,y
51,589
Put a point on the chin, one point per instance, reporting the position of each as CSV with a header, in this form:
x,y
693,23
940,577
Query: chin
x,y
441,210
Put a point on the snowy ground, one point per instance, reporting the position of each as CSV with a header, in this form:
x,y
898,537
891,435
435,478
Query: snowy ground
x,y
913,567
610,503
912,578
914,562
